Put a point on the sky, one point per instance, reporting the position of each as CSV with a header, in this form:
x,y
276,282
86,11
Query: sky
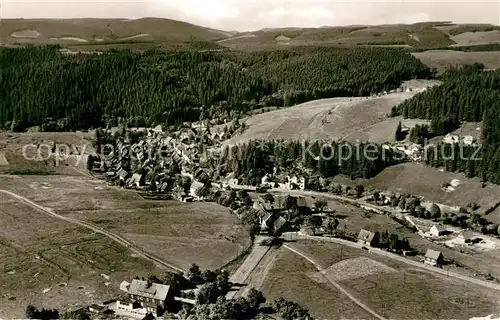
x,y
244,15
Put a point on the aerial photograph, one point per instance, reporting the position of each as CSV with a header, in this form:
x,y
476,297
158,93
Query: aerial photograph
x,y
258,159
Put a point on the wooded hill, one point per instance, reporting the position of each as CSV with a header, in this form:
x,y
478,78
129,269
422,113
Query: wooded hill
x,y
40,86
468,94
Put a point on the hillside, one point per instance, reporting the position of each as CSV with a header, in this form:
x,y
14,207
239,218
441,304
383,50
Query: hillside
x,y
347,119
99,34
418,35
71,31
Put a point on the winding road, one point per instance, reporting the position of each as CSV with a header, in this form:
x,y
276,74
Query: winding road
x,y
118,239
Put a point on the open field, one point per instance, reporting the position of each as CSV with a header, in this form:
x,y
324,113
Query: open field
x,y
476,38
442,59
397,291
176,232
52,263
295,279
348,119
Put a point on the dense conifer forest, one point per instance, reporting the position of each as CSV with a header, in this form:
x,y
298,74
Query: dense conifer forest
x,y
468,94
40,86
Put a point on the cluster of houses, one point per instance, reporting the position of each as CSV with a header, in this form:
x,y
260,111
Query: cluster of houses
x,y
453,138
372,239
133,165
289,183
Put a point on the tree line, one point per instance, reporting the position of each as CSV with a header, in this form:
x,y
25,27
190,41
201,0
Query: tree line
x,y
40,86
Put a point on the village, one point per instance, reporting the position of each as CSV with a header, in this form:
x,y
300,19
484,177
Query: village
x,y
284,208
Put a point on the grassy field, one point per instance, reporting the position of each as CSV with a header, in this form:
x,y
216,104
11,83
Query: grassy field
x,y
442,59
349,119
51,263
179,233
476,38
395,290
295,279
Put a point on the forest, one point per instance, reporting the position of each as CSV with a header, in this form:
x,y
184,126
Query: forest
x,y
40,86
468,94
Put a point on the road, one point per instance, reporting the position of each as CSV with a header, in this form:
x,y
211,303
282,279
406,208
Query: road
x,y
118,239
491,285
335,284
240,276
356,202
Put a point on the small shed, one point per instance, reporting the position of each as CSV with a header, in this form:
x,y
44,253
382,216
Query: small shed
x,y
433,257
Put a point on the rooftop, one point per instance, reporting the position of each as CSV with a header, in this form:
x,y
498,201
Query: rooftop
x,y
154,290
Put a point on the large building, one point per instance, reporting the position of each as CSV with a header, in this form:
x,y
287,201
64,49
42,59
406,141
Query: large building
x,y
147,295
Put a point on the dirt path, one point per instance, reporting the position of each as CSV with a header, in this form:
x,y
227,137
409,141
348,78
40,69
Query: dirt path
x,y
335,284
118,239
240,276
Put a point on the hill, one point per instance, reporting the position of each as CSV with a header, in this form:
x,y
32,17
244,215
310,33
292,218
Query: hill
x,y
418,35
71,31
100,34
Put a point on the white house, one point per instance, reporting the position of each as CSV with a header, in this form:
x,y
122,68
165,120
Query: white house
x,y
299,182
437,230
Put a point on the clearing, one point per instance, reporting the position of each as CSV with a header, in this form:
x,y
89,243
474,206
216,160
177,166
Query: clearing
x,y
442,59
179,233
52,263
396,290
348,119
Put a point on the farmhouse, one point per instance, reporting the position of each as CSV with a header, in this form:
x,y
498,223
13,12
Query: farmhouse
x,y
433,258
368,238
437,230
149,295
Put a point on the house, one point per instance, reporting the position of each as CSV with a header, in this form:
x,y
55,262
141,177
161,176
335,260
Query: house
x,y
468,140
95,308
295,183
124,286
122,174
437,230
466,236
264,223
194,188
433,258
279,224
149,295
368,238
451,138
137,180
301,202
